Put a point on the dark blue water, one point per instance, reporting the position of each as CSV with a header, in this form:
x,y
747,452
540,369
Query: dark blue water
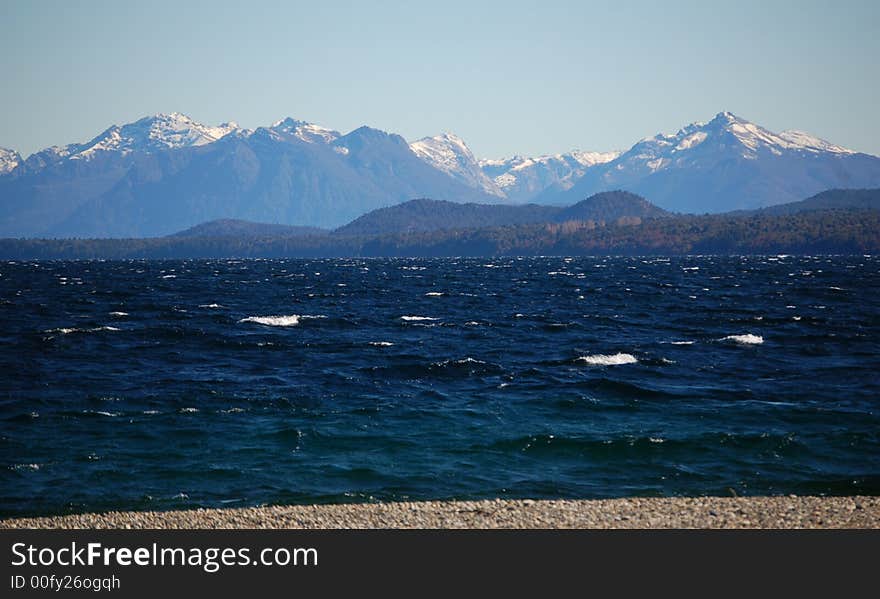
x,y
171,384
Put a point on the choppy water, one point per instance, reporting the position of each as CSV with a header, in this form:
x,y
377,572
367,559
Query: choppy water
x,y
170,384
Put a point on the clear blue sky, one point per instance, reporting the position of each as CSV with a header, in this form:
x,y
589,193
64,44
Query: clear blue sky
x,y
509,77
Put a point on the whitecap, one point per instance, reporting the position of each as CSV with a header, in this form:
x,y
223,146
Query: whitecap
x,y
26,467
274,321
434,294
210,306
417,318
460,362
188,410
467,360
119,314
67,331
169,276
681,342
150,412
747,339
609,359
381,343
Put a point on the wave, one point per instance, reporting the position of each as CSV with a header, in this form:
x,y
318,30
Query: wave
x,y
460,362
274,321
291,320
418,319
747,339
609,359
18,467
67,331
452,368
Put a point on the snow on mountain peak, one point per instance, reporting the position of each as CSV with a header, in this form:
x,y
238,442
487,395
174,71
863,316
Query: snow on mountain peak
x,y
662,150
810,142
593,158
304,131
522,179
9,159
152,133
449,153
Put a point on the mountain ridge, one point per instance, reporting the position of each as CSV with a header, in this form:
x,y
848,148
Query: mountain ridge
x,y
166,172
296,174
726,164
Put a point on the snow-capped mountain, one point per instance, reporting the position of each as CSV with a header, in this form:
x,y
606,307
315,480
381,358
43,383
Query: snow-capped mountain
x,y
304,131
147,135
450,154
166,173
151,134
522,179
726,164
9,159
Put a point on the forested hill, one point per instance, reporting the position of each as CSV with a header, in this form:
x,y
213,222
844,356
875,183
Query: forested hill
x,y
833,199
610,206
435,215
229,227
812,232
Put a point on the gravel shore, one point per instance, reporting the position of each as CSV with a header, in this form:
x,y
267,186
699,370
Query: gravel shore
x,y
679,512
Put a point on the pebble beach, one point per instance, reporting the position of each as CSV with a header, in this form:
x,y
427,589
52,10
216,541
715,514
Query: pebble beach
x,y
676,512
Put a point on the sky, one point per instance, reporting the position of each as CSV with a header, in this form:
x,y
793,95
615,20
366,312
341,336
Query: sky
x,y
509,77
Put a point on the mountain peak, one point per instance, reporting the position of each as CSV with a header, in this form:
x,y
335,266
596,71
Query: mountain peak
x,y
449,153
726,116
287,123
9,159
305,131
151,133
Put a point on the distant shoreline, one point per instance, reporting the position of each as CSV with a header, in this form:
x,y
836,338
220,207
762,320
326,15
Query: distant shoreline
x,y
635,512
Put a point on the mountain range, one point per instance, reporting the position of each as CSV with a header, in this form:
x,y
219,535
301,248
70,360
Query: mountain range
x,y
434,215
166,173
608,223
607,208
